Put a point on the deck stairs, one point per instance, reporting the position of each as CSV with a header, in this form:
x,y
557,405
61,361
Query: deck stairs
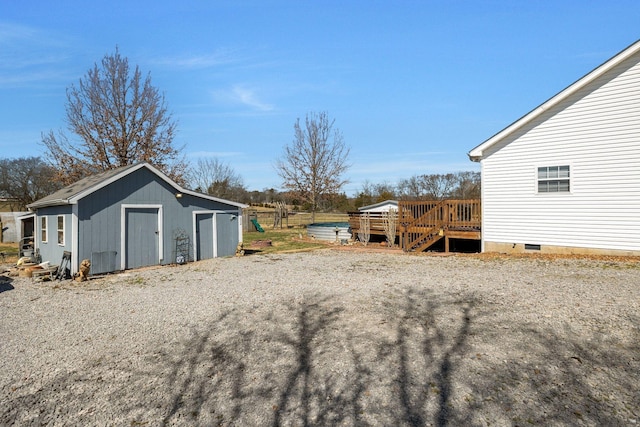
x,y
422,223
423,230
425,240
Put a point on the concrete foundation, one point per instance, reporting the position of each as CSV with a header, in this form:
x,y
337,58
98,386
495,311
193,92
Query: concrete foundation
x,y
519,248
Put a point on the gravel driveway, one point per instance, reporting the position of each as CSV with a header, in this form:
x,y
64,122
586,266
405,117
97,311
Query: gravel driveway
x,y
327,338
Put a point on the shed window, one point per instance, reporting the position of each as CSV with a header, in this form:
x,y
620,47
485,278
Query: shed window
x,y
60,229
43,229
553,179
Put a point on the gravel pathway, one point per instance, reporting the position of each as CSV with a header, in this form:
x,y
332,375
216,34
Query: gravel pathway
x,y
327,338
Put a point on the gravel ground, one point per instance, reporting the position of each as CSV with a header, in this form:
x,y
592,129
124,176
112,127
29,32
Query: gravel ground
x,y
327,338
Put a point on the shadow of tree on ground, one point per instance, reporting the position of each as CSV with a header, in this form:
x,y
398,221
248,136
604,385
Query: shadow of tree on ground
x,y
410,358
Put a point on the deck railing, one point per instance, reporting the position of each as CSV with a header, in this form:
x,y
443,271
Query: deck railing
x,y
421,222
376,223
448,213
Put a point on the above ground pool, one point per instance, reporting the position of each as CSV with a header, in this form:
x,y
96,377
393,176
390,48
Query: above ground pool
x,y
329,231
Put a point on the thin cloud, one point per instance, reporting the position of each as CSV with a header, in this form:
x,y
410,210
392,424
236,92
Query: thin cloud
x,y
9,33
199,154
240,94
404,169
11,79
20,38
248,97
198,62
29,55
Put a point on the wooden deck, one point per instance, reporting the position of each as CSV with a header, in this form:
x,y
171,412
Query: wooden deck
x,y
421,224
376,223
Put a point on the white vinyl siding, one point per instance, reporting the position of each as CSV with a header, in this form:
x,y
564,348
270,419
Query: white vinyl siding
x,y
597,133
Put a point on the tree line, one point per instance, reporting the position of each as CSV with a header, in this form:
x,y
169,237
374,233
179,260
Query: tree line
x,y
115,117
27,179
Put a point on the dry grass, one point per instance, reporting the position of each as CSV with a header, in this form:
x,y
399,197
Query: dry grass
x,y
10,251
299,219
282,240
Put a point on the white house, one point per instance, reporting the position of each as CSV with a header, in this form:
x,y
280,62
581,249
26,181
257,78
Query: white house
x,y
565,178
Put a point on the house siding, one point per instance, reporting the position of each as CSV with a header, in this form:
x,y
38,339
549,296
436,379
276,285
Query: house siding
x,y
597,132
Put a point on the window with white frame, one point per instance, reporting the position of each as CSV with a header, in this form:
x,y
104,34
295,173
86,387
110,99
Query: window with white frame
x,y
43,229
553,179
61,229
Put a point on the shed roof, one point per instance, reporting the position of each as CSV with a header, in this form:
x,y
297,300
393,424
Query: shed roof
x,y
70,194
379,204
477,153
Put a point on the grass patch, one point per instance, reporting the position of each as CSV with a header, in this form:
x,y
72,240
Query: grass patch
x,y
136,281
11,252
282,240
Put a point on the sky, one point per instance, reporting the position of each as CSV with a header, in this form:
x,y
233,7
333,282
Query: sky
x,y
413,86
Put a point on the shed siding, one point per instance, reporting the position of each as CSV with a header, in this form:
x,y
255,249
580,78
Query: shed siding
x,y
99,214
597,132
52,251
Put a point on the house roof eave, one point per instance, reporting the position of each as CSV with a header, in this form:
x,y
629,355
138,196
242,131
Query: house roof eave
x,y
51,202
477,153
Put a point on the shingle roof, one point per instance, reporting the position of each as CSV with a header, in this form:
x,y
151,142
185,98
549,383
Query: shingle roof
x,y
64,195
71,193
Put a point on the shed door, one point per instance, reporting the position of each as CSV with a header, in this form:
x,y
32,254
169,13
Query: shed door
x,y
141,237
204,236
226,234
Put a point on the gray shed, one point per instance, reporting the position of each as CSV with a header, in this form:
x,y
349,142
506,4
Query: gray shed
x,y
131,217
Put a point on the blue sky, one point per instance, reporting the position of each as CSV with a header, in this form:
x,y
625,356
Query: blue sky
x,y
412,85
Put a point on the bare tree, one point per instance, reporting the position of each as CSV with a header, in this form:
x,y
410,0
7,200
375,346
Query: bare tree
x,y
364,232
120,119
384,191
216,178
467,185
411,188
313,164
366,195
432,187
26,179
389,222
439,186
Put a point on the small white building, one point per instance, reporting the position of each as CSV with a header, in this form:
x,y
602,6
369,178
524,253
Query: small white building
x,y
565,178
385,206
